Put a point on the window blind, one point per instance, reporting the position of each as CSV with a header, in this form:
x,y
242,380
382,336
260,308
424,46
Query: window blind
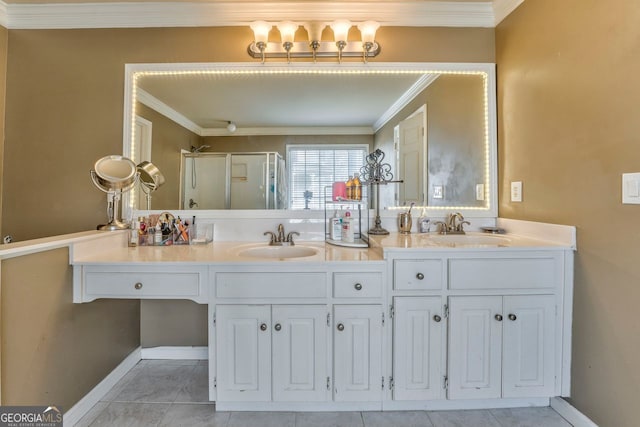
x,y
313,167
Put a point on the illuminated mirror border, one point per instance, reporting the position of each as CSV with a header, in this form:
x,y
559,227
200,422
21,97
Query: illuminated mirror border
x,y
133,72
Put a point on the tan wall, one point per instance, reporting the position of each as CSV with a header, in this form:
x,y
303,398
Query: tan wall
x,y
168,138
77,79
568,102
54,351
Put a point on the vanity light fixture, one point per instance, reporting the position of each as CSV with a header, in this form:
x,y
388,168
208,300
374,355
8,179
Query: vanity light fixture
x,y
315,48
261,34
231,127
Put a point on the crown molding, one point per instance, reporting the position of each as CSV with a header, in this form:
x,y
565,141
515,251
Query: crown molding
x,y
292,130
231,13
154,103
502,8
421,84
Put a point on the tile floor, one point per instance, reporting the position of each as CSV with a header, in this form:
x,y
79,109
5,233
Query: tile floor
x,y
174,393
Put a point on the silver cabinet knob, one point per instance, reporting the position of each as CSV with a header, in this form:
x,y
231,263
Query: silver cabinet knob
x,y
277,327
340,327
263,327
419,276
437,318
358,286
512,317
498,317
138,285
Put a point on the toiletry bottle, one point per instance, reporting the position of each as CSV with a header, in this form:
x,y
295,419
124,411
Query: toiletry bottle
x,y
423,223
133,233
157,237
336,226
142,231
347,228
350,188
357,187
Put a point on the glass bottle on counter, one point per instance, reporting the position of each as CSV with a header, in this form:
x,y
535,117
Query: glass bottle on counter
x,y
357,187
350,188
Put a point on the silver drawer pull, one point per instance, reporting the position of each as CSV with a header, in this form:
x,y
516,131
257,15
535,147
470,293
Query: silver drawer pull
x,y
263,327
358,286
512,317
277,327
419,276
437,318
498,317
138,286
340,327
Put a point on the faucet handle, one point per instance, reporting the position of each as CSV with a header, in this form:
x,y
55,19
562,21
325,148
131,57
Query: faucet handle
x,y
461,225
273,236
290,236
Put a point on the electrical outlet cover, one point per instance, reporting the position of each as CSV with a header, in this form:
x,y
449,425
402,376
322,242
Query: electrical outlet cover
x,y
438,191
479,191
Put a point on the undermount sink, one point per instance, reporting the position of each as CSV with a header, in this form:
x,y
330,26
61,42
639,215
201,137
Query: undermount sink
x,y
469,240
263,251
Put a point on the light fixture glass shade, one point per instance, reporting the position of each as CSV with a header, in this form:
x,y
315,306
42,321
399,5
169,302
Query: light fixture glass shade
x,y
368,31
287,31
340,29
261,31
314,30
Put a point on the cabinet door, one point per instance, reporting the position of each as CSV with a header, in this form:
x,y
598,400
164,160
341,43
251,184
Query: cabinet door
x,y
243,344
300,352
529,346
475,347
357,352
418,327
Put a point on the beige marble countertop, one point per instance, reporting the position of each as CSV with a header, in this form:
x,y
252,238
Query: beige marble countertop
x,y
223,252
470,240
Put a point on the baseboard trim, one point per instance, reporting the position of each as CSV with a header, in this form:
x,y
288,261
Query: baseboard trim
x,y
84,405
570,413
176,353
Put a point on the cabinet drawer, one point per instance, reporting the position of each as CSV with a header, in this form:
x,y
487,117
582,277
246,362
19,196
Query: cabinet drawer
x,y
498,273
271,285
421,274
106,284
357,285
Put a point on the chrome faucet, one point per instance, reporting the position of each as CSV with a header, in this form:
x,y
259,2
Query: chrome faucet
x,y
454,224
280,239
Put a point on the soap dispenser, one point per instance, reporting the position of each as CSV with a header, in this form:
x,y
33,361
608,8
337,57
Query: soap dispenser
x,y
336,226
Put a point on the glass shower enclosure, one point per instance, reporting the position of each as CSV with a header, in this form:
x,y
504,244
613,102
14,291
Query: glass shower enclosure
x,y
233,181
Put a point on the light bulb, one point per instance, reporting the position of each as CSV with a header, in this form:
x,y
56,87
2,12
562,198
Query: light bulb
x,y
368,31
340,29
261,31
287,31
231,127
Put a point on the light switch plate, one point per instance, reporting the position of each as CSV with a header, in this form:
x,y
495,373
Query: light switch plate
x,y
516,191
631,188
438,192
479,191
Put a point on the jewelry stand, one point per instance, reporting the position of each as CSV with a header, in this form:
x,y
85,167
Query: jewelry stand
x,y
376,173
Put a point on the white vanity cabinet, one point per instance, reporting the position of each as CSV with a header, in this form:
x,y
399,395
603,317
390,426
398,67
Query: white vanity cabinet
x,y
418,345
501,346
358,353
271,352
300,337
495,329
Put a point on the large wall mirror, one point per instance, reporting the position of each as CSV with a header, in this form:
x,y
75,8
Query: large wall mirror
x,y
223,134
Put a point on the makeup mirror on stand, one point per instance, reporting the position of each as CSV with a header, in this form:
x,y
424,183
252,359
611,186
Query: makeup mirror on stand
x,y
114,175
151,179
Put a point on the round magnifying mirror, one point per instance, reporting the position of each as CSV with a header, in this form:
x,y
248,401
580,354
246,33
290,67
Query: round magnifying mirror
x,y
150,175
115,173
